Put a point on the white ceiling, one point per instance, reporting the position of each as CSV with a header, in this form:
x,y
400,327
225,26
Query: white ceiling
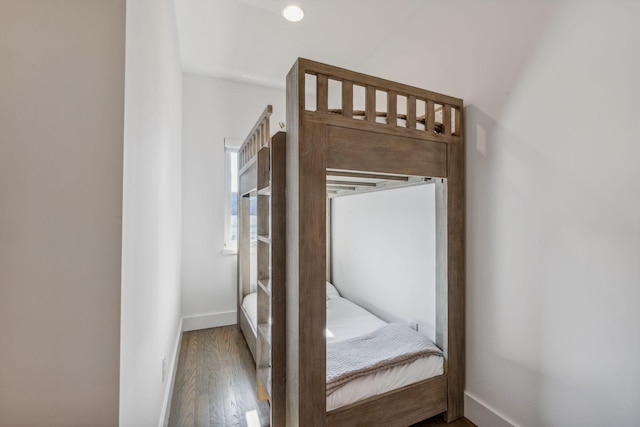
x,y
249,41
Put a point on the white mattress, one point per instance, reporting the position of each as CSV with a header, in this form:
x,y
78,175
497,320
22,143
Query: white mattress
x,y
347,320
250,305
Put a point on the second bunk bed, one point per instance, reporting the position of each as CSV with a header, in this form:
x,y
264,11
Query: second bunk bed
x,y
287,312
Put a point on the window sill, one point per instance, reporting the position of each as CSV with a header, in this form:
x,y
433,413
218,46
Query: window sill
x,y
229,252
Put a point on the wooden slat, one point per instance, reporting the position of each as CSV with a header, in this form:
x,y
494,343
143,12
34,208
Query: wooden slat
x,y
397,408
347,99
411,112
392,108
446,119
370,151
322,93
430,117
250,144
370,104
338,73
337,120
366,175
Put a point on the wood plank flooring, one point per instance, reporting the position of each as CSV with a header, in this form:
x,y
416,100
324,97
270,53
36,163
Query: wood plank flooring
x,y
215,381
215,384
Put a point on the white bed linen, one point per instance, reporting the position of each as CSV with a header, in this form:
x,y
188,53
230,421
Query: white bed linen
x,y
250,305
346,320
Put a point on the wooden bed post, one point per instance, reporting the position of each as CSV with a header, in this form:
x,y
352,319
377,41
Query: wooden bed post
x,y
450,274
243,250
328,207
306,260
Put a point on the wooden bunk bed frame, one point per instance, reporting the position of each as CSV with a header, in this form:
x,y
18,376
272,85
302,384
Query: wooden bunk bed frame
x,y
323,143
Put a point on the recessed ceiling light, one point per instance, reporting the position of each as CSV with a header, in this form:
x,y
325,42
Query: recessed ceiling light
x,y
293,13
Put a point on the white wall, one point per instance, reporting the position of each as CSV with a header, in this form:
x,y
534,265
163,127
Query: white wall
x,y
383,253
61,122
151,298
553,195
213,110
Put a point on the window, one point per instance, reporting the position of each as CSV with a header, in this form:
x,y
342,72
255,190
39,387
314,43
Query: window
x,y
231,195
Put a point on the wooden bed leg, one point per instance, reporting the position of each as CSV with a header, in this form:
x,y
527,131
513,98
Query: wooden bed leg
x,y
450,277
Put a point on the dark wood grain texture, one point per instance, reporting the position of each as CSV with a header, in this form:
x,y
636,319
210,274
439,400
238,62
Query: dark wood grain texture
x,y
370,104
311,255
337,73
278,279
215,381
456,279
347,99
375,152
411,112
410,404
305,261
295,99
322,93
435,135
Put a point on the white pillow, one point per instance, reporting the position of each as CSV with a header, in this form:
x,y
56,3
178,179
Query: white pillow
x,y
332,292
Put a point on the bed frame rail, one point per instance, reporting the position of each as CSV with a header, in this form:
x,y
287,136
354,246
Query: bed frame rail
x,y
258,137
387,106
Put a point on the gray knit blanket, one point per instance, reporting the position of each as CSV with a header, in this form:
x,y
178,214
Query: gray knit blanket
x,y
391,345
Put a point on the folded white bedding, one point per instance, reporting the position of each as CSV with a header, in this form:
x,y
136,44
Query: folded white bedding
x,y
347,320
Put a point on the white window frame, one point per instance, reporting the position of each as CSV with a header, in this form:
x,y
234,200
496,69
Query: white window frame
x,y
231,145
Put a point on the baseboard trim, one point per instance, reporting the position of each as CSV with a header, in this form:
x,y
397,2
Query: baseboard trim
x,y
211,320
482,414
166,404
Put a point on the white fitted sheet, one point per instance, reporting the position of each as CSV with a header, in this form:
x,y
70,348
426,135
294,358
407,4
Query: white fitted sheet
x,y
250,305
